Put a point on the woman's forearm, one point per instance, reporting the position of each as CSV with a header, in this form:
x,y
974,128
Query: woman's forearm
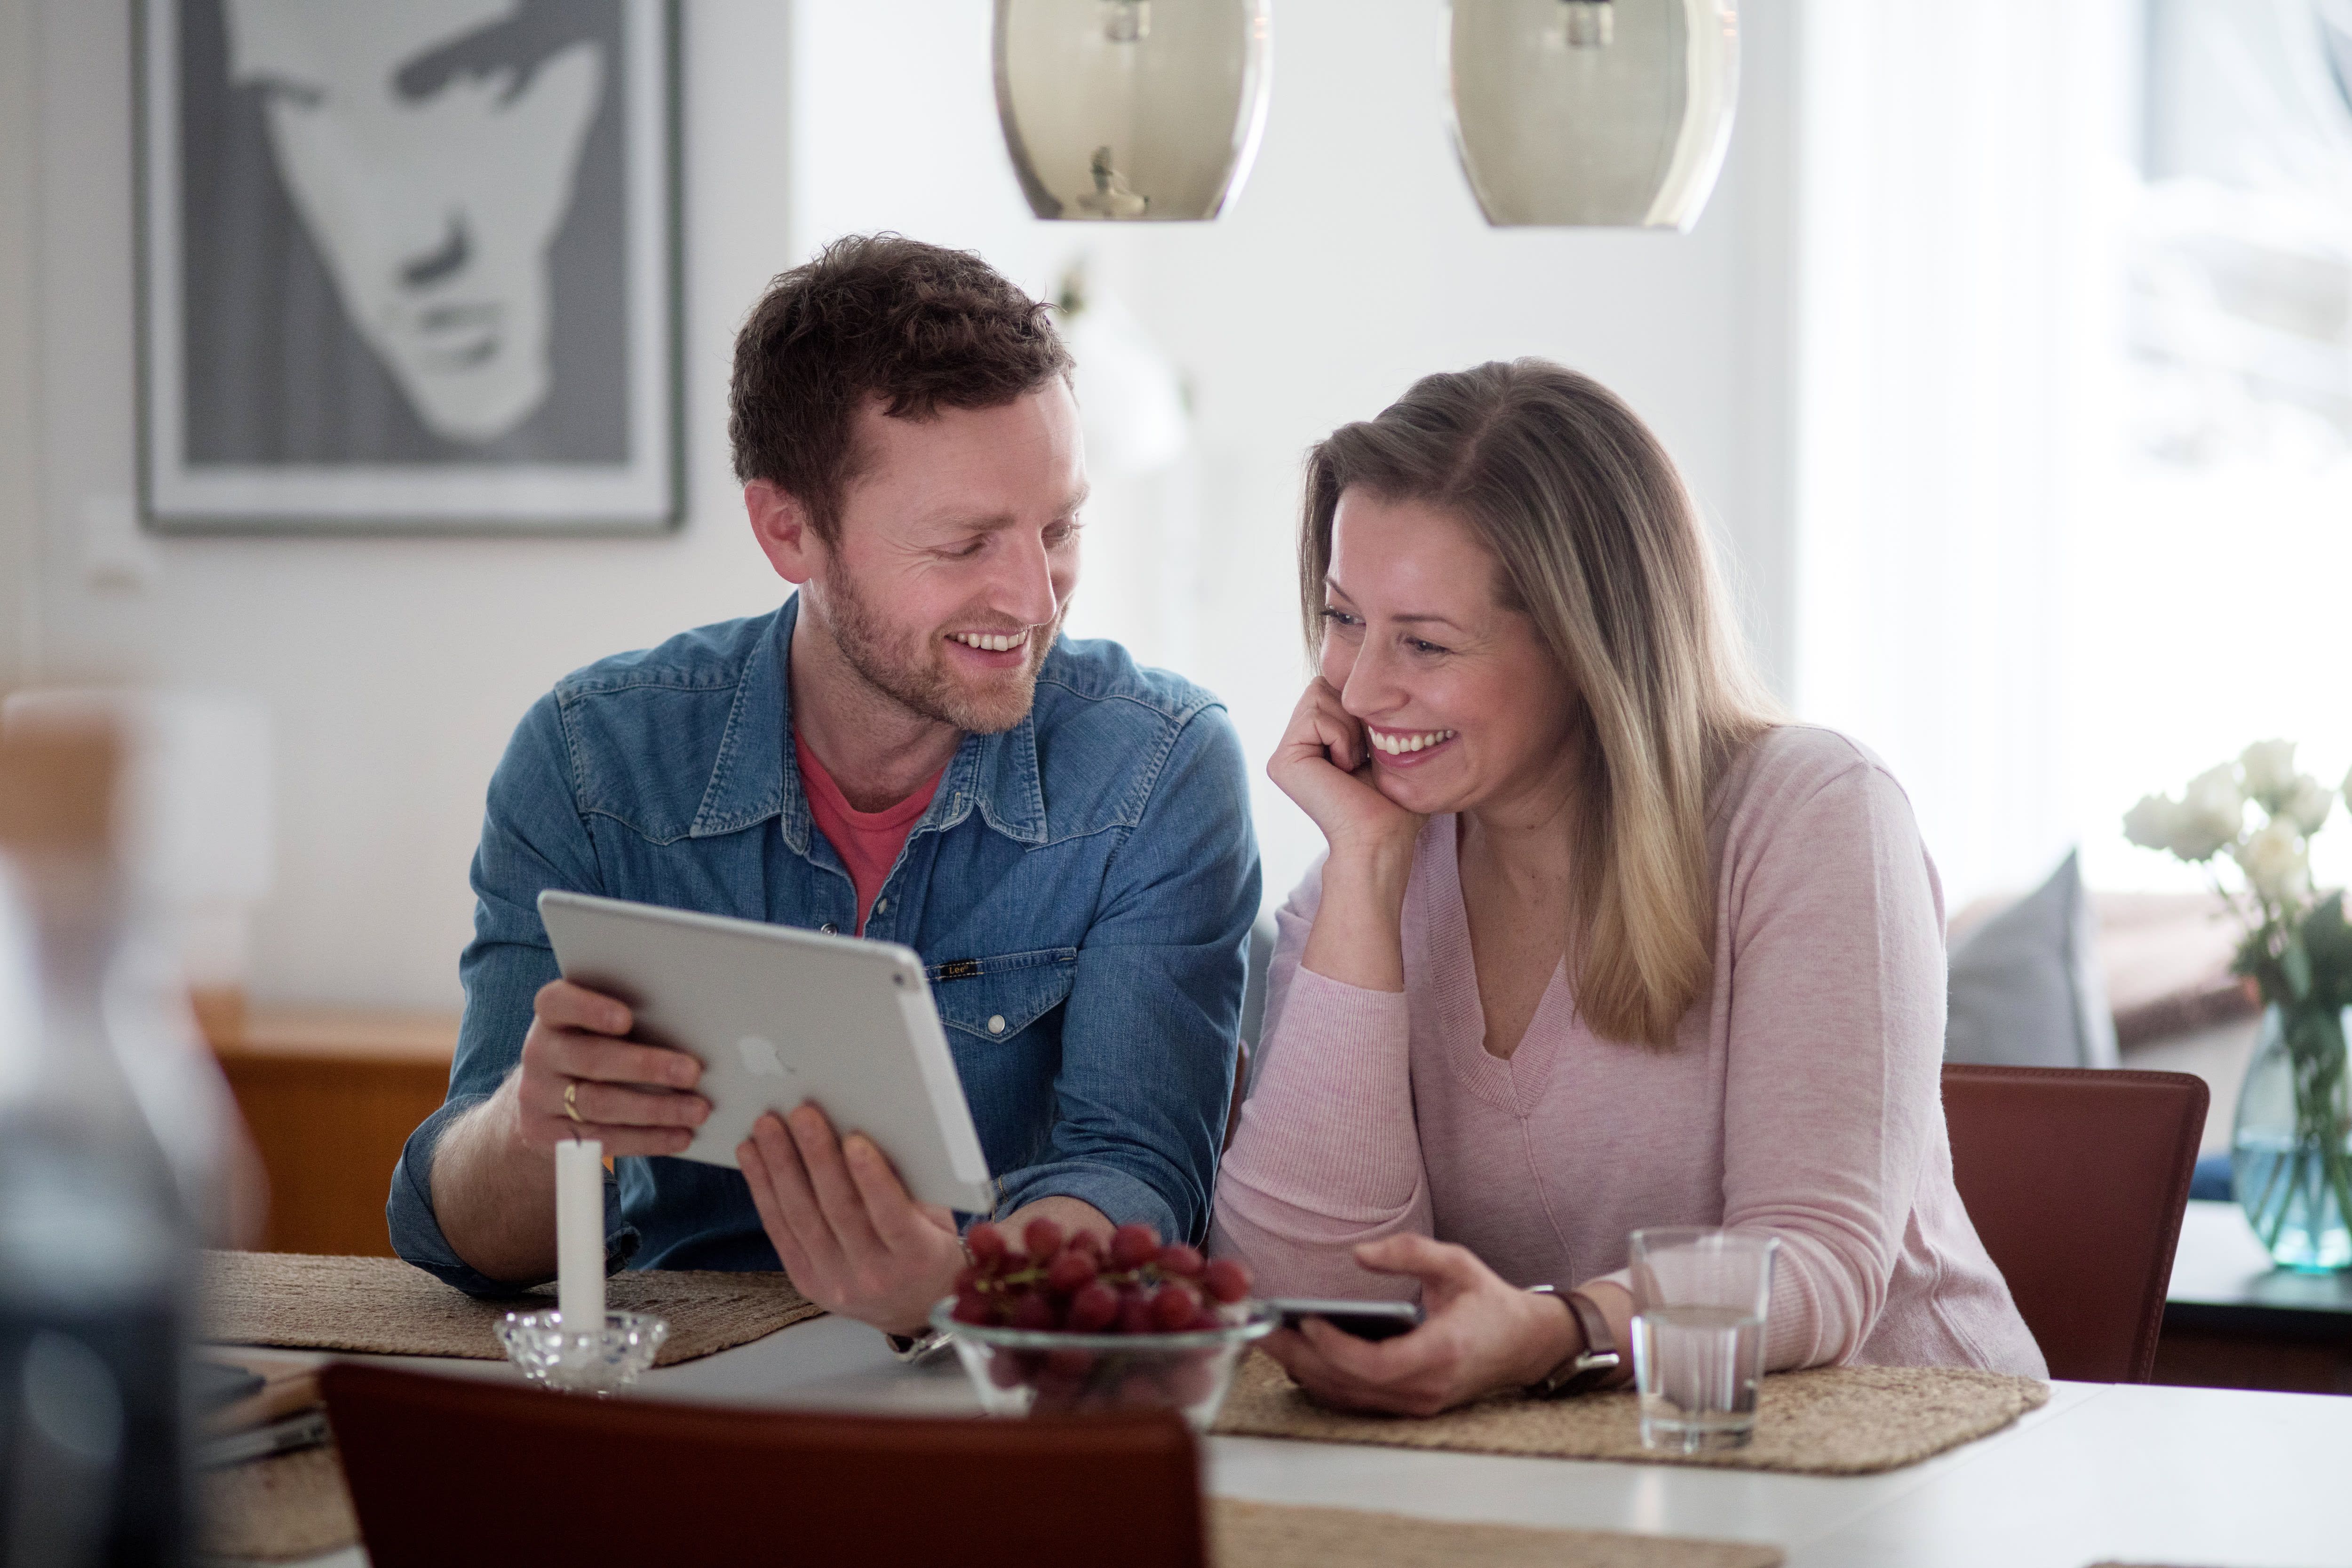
x,y
1327,1154
1358,937
1293,1250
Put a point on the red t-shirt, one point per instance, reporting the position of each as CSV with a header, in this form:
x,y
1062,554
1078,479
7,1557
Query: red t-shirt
x,y
867,842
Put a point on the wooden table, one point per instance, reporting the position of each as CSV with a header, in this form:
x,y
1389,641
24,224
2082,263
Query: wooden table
x,y
330,1094
2144,1474
2233,1320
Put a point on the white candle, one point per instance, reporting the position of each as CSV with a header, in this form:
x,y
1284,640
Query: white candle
x,y
579,1235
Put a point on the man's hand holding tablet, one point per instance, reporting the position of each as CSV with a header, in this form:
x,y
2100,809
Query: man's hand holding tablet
x,y
847,1231
841,1221
576,1080
843,1224
822,1027
581,1079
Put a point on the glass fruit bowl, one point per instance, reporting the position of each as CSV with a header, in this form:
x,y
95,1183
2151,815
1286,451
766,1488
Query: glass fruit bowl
x,y
1053,1370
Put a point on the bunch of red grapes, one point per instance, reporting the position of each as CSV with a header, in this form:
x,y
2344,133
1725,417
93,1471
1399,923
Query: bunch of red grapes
x,y
1136,1285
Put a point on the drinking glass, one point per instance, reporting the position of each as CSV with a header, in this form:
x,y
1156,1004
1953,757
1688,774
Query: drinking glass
x,y
1699,1302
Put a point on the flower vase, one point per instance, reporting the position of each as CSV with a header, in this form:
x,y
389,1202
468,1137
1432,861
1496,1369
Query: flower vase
x,y
2291,1153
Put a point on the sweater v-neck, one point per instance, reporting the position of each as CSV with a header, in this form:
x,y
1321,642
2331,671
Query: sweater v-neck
x,y
1514,1083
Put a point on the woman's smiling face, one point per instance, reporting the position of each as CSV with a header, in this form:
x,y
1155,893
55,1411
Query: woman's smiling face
x,y
1465,709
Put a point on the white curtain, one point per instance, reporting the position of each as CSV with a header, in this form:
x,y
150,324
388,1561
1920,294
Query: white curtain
x,y
1952,165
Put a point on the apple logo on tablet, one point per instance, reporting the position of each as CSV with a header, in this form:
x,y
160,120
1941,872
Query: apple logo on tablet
x,y
760,1056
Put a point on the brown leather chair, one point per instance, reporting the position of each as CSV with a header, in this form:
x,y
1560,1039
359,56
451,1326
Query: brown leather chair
x,y
2076,1180
446,1470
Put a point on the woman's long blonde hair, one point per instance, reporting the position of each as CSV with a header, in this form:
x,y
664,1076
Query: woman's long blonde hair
x,y
1601,547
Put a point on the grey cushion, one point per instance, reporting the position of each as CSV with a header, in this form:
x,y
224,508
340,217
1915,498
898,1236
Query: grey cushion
x,y
2026,987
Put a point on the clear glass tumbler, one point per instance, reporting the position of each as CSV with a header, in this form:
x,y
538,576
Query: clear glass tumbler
x,y
1699,1301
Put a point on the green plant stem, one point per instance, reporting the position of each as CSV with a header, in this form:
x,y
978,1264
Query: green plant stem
x,y
2273,1220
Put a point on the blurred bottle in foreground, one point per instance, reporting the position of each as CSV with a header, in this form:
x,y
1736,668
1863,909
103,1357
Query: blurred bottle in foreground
x,y
192,834
97,1254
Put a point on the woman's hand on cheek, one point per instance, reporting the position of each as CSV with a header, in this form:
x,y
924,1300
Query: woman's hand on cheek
x,y
1323,763
1482,1335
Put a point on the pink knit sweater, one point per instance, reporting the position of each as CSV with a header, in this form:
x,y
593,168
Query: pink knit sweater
x,y
1800,1097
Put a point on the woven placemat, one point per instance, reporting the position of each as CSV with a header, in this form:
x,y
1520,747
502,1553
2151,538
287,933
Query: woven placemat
x,y
278,1509
386,1307
1831,1421
1279,1535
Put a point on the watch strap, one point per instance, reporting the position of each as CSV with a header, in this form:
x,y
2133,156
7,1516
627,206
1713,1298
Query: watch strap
x,y
1594,1364
916,1347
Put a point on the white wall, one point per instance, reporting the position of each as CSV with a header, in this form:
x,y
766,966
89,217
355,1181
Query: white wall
x,y
1353,262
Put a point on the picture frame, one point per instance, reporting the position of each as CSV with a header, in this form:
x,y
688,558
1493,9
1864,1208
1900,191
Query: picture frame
x,y
409,270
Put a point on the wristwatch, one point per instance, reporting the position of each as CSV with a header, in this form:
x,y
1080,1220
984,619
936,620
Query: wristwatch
x,y
1590,1367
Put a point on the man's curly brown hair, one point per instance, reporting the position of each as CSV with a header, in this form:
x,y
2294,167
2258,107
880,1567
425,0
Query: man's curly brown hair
x,y
917,325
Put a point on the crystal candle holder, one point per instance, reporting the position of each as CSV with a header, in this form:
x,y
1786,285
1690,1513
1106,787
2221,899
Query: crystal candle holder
x,y
598,1362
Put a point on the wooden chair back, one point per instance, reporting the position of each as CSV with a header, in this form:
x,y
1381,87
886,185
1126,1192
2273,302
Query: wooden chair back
x,y
445,1469
2076,1179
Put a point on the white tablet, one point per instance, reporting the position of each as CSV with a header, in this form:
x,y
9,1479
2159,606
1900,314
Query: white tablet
x,y
779,1016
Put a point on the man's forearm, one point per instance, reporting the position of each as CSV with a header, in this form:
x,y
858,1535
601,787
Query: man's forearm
x,y
493,1197
1073,1214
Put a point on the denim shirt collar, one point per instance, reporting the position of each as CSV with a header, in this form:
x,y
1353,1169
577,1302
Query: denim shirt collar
x,y
752,779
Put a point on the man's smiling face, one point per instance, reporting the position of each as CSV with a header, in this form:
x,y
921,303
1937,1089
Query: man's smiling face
x,y
956,555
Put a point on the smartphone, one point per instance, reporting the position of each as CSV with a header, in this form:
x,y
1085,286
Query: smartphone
x,y
303,1429
1365,1320
212,1384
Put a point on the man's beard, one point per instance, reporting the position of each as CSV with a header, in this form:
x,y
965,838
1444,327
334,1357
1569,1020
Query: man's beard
x,y
920,682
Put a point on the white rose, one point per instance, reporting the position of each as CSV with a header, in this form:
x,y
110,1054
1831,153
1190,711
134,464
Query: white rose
x,y
2212,814
2153,824
2269,766
2276,863
2307,804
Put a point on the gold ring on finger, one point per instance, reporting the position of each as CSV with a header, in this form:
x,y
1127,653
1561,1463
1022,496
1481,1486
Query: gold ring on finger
x,y
571,1106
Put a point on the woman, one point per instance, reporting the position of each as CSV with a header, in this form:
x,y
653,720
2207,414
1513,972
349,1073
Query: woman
x,y
1598,943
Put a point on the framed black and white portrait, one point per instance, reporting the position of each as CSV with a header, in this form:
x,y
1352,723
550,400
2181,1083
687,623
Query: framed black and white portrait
x,y
408,268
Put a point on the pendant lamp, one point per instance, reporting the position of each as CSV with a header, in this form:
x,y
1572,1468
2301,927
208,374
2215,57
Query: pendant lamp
x,y
1126,111
1602,113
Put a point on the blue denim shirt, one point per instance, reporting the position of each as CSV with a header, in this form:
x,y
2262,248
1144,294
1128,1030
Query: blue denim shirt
x,y
1081,890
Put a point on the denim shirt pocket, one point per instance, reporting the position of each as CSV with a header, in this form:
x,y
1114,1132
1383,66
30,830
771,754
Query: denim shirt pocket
x,y
994,998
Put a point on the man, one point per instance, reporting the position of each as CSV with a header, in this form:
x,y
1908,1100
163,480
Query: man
x,y
906,749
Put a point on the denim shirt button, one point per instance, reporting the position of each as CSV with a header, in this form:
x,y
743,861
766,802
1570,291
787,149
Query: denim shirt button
x,y
881,906
997,1023
830,929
